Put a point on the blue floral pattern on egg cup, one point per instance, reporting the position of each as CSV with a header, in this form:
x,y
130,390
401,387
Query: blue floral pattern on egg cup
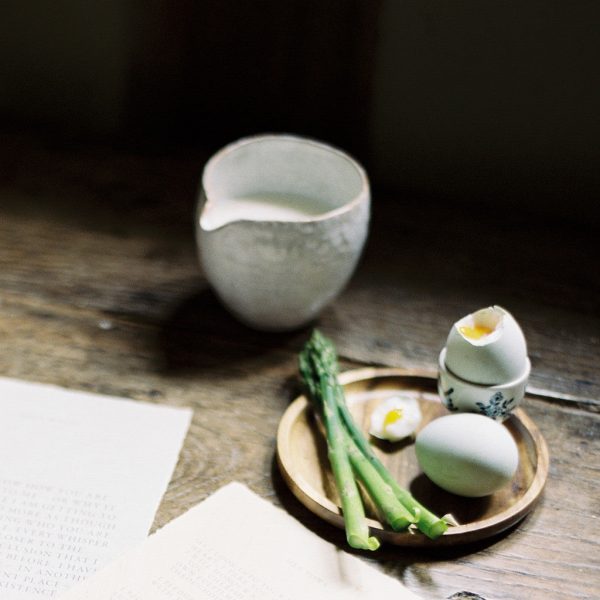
x,y
494,401
447,398
497,406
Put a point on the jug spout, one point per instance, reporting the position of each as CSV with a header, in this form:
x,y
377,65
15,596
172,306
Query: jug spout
x,y
206,220
282,207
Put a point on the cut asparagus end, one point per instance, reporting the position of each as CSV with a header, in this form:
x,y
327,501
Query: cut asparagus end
x,y
433,530
360,543
401,524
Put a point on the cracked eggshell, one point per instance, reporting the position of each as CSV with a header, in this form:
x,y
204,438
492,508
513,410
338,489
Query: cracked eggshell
x,y
487,347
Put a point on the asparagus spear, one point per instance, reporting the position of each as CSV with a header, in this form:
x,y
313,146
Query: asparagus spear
x,y
431,525
319,368
320,385
381,493
426,521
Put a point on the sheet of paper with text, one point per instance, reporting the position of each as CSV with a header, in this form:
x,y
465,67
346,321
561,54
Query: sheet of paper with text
x,y
81,478
237,546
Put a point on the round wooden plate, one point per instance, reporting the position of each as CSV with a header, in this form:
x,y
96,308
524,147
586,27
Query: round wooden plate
x,y
302,459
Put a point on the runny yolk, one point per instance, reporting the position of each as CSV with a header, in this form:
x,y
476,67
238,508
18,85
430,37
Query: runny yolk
x,y
476,332
394,415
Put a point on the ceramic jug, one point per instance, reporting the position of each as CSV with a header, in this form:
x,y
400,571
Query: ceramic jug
x,y
281,223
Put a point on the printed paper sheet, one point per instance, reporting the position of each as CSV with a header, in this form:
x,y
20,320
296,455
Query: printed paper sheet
x,y
81,477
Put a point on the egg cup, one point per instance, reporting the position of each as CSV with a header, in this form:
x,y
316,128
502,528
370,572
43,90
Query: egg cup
x,y
495,401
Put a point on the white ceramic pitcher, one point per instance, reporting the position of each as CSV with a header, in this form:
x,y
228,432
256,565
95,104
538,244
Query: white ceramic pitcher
x,y
281,224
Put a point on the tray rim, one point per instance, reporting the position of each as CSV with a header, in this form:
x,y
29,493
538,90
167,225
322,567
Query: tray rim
x,y
327,510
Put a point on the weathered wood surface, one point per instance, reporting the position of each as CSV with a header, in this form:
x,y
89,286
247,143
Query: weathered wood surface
x,y
100,289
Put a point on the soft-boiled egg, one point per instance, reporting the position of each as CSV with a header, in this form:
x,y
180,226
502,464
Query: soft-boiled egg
x,y
397,417
467,454
487,347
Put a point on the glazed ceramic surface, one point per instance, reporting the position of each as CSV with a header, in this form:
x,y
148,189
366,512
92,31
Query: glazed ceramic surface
x,y
281,224
495,401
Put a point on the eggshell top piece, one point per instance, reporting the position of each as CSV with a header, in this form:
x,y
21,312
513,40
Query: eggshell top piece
x,y
492,358
467,454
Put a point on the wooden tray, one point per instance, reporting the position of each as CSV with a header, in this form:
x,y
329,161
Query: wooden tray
x,y
302,459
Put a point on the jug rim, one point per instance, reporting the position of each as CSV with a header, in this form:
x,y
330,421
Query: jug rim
x,y
362,194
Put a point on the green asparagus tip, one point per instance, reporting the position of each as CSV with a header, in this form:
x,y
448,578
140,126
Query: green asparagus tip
x,y
317,336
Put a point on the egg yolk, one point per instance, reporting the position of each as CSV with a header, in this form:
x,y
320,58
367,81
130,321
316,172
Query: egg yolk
x,y
394,415
476,332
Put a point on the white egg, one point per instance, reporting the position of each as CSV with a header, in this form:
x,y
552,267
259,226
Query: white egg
x,y
467,454
395,418
487,347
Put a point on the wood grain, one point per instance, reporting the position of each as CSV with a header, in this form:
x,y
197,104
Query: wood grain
x,y
100,290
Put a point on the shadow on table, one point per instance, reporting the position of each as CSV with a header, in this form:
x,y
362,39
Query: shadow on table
x,y
200,334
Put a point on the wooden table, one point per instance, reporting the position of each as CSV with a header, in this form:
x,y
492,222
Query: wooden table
x,y
100,290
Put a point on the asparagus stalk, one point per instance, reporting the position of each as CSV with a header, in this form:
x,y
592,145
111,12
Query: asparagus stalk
x,y
382,494
318,363
320,384
426,521
431,525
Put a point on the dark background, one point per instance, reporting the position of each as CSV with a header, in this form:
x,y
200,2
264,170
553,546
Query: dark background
x,y
490,105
